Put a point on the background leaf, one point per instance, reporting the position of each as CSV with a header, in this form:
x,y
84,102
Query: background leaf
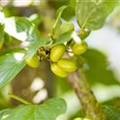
x,y
97,68
10,65
113,113
91,14
49,110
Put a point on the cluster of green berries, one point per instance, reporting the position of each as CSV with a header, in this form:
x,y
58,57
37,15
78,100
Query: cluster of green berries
x,y
60,65
63,66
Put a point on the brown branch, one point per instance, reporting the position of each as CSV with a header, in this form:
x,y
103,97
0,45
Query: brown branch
x,y
89,103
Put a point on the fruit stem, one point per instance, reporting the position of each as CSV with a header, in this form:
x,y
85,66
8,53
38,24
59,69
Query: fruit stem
x,y
19,99
89,103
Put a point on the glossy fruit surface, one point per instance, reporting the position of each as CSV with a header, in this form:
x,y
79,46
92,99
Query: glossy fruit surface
x,y
33,62
84,34
68,65
79,48
57,52
58,71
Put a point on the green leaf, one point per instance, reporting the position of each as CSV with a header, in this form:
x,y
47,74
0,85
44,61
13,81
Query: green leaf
x,y
91,14
24,30
59,14
21,28
4,113
69,13
63,38
113,113
12,51
10,65
64,28
1,34
97,68
49,110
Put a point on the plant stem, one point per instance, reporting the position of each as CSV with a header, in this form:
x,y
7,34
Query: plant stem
x,y
19,99
89,103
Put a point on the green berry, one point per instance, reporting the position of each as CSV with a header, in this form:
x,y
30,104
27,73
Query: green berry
x,y
57,52
79,48
84,34
33,62
58,71
68,65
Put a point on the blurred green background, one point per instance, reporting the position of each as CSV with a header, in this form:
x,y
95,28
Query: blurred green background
x,y
101,61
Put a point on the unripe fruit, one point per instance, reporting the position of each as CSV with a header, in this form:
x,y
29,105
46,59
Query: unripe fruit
x,y
84,34
33,62
57,52
68,65
79,48
58,71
